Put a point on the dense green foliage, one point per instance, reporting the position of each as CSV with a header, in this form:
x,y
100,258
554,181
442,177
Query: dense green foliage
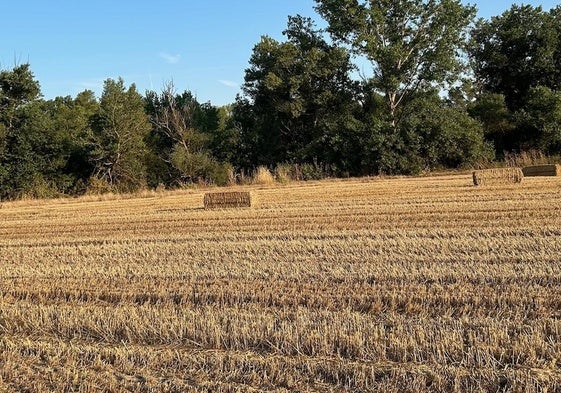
x,y
183,133
445,91
516,59
299,100
411,44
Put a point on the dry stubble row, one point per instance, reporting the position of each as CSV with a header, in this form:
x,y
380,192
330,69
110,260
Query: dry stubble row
x,y
397,284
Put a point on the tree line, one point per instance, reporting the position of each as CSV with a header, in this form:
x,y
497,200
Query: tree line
x,y
445,91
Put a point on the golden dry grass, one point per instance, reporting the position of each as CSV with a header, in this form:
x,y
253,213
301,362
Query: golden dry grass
x,y
394,285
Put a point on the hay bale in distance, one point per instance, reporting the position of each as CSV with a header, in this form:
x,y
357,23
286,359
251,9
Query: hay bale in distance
x,y
497,176
542,170
225,200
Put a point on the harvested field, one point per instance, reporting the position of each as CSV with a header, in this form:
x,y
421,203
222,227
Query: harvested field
x,y
542,170
393,285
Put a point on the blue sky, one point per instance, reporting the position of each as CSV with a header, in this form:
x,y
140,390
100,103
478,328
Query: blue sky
x,y
203,46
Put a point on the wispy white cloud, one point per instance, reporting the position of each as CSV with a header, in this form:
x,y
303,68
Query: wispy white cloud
x,y
91,84
171,59
228,83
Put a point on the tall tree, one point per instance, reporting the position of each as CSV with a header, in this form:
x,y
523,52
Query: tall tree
x,y
182,130
516,51
444,135
412,44
20,131
433,133
17,88
516,58
541,120
118,147
301,94
224,139
71,133
490,109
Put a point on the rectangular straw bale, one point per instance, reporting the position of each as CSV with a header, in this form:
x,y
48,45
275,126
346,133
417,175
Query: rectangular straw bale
x,y
224,200
542,170
497,176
